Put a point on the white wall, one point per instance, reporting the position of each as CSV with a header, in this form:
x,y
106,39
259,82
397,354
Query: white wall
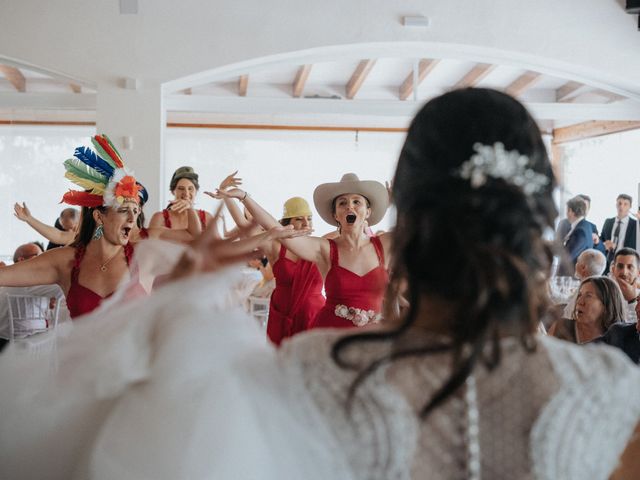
x,y
170,39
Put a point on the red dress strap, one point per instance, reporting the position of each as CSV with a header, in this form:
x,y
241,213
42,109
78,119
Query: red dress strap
x,y
167,219
144,233
128,252
77,259
333,253
377,244
203,218
283,251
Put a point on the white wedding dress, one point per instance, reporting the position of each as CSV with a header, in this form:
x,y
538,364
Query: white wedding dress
x,y
182,385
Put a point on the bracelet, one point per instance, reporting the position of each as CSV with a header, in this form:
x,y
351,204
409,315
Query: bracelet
x,y
245,196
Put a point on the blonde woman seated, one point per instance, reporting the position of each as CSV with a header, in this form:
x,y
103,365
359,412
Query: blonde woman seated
x,y
599,305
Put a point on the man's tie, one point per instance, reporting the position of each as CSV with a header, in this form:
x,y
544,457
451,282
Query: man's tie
x,y
616,234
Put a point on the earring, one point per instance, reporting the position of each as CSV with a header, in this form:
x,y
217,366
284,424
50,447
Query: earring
x,y
97,235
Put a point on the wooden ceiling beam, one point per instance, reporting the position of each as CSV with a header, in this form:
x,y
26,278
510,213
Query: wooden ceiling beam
x,y
475,75
301,80
593,128
425,67
243,84
566,93
15,77
359,76
523,83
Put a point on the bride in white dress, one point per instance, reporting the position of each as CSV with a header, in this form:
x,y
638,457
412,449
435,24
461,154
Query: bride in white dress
x,y
182,385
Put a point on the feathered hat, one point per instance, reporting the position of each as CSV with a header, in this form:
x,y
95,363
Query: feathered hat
x,y
103,176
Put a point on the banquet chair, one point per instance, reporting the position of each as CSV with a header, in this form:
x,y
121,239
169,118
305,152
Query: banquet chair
x,y
31,314
259,308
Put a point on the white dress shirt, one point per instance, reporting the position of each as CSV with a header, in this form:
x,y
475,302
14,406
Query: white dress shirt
x,y
623,231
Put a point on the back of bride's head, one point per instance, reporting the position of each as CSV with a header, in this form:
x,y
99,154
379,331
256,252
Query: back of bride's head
x,y
473,194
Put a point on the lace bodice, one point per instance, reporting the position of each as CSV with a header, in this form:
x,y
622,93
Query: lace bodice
x,y
562,411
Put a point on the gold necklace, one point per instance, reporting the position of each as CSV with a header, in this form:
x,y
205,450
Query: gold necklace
x,y
103,267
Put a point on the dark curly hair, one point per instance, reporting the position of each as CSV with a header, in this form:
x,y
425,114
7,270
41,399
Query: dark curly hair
x,y
479,250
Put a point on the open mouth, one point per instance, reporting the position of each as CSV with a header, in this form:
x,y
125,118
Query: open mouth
x,y
351,218
126,231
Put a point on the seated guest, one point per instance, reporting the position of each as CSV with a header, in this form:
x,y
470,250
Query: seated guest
x,y
624,270
590,263
23,253
599,305
267,283
579,237
625,336
66,222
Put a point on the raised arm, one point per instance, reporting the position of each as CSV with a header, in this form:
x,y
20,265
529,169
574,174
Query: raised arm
x,y
45,269
52,234
229,182
309,248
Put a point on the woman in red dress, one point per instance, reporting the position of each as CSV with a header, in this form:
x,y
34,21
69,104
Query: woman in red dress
x,y
297,298
90,269
184,186
353,265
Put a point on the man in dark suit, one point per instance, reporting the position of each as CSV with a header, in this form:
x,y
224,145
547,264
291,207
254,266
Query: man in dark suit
x,y
619,231
564,226
579,237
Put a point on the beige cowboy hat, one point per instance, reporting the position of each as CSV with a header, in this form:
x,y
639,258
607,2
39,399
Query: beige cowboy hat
x,y
375,192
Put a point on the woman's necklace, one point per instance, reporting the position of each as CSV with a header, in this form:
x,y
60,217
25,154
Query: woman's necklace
x,y
103,267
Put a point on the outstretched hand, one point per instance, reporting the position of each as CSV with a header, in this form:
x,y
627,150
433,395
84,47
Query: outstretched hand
x,y
280,233
21,212
220,194
230,181
208,253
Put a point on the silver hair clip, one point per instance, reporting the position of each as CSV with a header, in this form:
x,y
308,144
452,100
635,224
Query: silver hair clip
x,y
495,162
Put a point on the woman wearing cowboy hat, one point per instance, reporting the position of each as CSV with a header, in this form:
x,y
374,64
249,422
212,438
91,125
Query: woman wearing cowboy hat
x,y
353,264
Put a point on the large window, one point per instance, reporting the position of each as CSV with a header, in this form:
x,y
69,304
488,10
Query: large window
x,y
31,171
602,168
276,165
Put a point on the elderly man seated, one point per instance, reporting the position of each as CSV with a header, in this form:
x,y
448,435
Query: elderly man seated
x,y
53,292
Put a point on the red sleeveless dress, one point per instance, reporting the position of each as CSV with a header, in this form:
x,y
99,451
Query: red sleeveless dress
x,y
352,300
296,299
201,216
80,299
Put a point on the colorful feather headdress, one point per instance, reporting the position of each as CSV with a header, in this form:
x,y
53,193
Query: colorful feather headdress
x,y
102,175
